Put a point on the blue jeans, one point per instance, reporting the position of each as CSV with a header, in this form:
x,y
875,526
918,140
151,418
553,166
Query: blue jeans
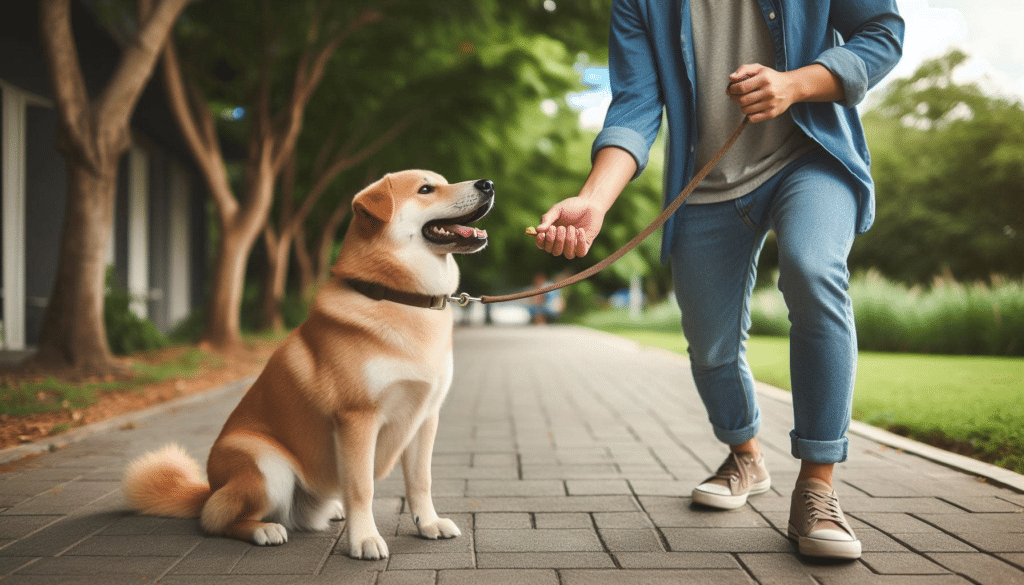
x,y
811,205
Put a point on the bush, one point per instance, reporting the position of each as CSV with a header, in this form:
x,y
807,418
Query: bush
x,y
126,332
947,318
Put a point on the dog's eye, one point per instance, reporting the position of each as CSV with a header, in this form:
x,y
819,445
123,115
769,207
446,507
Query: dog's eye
x,y
426,189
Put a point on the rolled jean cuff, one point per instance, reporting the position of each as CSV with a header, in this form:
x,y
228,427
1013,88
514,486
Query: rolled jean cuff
x,y
819,451
739,436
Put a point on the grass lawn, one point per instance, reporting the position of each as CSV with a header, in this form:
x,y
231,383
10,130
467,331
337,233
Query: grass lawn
x,y
966,404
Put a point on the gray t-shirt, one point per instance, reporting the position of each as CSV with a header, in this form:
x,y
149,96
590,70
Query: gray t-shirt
x,y
727,34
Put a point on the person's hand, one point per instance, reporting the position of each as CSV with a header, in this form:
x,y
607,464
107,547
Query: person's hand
x,y
762,92
569,227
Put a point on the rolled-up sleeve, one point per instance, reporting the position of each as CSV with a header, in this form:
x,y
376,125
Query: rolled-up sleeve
x,y
634,116
873,34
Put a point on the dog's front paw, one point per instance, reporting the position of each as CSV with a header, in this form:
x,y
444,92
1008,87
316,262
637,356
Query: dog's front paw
x,y
440,528
371,548
270,534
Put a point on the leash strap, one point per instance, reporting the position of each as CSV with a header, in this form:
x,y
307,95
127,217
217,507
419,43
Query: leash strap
x,y
650,229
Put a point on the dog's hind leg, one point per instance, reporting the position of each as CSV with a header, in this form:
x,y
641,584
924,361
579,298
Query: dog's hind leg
x,y
416,468
356,436
251,491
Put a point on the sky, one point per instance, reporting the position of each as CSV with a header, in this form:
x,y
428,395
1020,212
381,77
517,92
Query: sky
x,y
984,29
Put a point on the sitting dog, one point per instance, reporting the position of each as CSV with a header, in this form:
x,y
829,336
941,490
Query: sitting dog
x,y
359,384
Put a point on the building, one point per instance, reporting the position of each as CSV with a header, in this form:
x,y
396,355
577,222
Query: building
x,y
160,232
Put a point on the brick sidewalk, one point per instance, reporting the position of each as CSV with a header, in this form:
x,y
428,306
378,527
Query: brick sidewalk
x,y
566,457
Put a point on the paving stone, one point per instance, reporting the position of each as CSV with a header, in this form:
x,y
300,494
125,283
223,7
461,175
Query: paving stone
x,y
935,541
625,540
634,520
894,522
212,556
597,487
404,561
15,527
565,540
496,460
145,568
983,504
9,565
656,487
59,536
500,520
567,520
498,577
734,539
597,471
407,578
993,541
534,504
487,487
976,522
675,560
649,577
544,560
302,556
73,580
980,568
901,564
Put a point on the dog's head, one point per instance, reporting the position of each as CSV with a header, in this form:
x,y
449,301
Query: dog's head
x,y
420,207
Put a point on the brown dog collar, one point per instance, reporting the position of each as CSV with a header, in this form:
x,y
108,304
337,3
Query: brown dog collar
x,y
379,292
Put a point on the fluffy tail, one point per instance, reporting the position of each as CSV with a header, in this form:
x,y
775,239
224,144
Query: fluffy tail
x,y
167,482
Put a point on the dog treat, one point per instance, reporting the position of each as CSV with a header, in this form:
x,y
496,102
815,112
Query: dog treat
x,y
531,231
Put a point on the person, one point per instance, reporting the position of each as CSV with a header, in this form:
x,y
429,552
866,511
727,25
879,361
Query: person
x,y
796,69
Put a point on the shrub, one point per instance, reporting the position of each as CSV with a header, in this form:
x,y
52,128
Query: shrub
x,y
126,332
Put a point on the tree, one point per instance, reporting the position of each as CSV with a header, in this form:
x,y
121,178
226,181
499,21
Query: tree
x,y
255,55
948,162
93,134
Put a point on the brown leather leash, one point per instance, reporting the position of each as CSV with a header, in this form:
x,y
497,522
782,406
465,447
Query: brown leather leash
x,y
380,292
464,299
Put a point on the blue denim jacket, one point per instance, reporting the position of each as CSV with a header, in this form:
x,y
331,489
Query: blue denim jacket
x,y
651,68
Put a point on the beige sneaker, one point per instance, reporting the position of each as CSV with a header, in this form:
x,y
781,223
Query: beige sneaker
x,y
817,523
741,475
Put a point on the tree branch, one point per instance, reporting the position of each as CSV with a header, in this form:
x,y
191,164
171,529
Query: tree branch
x,y
138,60
197,126
308,76
73,106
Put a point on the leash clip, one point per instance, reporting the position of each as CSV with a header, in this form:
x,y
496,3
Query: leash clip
x,y
462,300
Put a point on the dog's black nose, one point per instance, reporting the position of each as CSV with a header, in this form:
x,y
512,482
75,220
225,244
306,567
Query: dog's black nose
x,y
485,186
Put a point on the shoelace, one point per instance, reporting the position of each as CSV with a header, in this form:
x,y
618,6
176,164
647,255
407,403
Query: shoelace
x,y
733,468
824,507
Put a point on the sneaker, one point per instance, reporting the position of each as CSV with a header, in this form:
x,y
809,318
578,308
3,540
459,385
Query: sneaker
x,y
740,476
817,523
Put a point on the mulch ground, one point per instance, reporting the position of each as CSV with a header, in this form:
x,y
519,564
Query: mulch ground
x,y
223,368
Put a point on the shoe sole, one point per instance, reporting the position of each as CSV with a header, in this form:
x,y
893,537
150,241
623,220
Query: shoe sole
x,y
827,549
729,502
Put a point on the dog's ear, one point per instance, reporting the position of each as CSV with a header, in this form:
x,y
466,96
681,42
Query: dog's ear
x,y
375,201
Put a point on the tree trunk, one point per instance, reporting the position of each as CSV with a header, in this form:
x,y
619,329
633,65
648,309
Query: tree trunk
x,y
74,334
222,322
272,293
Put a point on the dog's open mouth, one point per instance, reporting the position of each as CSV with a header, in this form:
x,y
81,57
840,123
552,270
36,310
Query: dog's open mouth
x,y
452,231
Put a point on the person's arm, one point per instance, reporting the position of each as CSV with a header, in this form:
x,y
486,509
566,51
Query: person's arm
x,y
873,30
620,151
569,228
767,93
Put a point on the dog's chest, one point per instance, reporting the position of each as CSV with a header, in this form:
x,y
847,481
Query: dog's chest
x,y
402,384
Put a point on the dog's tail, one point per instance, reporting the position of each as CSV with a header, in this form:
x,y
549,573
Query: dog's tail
x,y
167,482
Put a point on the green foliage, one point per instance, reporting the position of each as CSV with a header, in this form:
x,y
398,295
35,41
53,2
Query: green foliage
x,y
948,317
53,394
126,332
948,162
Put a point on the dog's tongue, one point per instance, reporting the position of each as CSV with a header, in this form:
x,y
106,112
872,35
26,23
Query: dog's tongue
x,y
468,232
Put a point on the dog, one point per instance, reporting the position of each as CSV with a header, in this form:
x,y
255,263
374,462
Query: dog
x,y
355,387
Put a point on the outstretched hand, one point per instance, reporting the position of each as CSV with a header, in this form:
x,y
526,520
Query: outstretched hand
x,y
569,227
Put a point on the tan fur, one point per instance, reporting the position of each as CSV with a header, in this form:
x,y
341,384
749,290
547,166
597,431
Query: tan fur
x,y
350,392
